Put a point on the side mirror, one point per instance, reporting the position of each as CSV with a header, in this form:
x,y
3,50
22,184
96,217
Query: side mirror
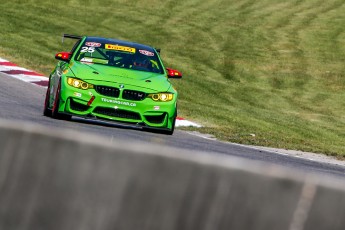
x,y
172,73
63,56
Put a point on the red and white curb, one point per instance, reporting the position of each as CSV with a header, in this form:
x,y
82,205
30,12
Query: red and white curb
x,y
23,74
182,122
33,77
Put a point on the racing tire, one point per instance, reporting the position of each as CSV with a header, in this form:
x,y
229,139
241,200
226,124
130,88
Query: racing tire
x,y
46,111
162,131
55,109
171,131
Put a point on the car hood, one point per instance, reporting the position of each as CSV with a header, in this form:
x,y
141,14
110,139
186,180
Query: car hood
x,y
95,74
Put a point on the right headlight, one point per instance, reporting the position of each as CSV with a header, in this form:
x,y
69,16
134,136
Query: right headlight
x,y
161,96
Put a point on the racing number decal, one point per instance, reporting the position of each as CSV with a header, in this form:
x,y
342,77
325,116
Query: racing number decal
x,y
86,49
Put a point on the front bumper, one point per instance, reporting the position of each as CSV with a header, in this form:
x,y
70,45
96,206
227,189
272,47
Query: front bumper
x,y
90,104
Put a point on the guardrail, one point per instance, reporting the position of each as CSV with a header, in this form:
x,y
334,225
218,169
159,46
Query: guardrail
x,y
66,180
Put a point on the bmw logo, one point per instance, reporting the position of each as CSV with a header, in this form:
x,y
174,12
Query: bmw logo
x,y
122,86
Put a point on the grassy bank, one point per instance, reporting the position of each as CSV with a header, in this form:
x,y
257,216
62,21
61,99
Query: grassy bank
x,y
267,72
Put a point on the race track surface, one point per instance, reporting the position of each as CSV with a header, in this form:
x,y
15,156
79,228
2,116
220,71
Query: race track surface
x,y
22,101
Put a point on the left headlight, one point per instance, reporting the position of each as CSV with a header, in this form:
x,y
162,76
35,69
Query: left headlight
x,y
77,83
161,96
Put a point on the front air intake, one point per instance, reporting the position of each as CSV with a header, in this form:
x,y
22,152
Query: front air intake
x,y
117,113
78,106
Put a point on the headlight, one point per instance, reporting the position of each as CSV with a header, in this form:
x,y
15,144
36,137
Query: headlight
x,y
79,83
161,96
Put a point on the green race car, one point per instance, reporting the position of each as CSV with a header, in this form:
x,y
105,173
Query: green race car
x,y
113,80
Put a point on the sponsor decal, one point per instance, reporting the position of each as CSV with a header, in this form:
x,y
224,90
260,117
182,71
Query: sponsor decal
x,y
88,60
77,94
93,44
120,48
147,53
119,102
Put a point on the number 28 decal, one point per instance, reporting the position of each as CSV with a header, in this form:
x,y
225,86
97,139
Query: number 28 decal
x,y
86,49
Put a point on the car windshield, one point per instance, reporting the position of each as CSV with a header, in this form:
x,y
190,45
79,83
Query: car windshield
x,y
119,56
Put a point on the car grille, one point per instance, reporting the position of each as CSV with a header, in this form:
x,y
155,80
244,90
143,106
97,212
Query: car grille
x,y
133,95
155,119
77,106
107,91
117,113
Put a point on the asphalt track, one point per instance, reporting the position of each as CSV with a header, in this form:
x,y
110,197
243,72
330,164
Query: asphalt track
x,y
21,101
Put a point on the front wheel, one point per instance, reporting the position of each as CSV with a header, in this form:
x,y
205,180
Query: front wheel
x,y
55,110
46,111
171,131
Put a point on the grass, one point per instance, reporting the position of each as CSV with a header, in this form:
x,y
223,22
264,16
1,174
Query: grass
x,y
267,73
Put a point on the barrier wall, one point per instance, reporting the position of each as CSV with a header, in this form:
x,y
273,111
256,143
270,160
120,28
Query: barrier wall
x,y
71,181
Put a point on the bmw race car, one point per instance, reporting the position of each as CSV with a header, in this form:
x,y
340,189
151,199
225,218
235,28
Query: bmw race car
x,y
113,80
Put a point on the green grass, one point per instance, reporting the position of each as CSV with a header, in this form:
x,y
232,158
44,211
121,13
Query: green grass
x,y
272,68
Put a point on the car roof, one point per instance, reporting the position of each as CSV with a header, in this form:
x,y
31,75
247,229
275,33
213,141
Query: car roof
x,y
119,42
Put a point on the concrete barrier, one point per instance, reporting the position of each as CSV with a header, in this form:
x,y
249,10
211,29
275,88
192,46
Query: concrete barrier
x,y
71,181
